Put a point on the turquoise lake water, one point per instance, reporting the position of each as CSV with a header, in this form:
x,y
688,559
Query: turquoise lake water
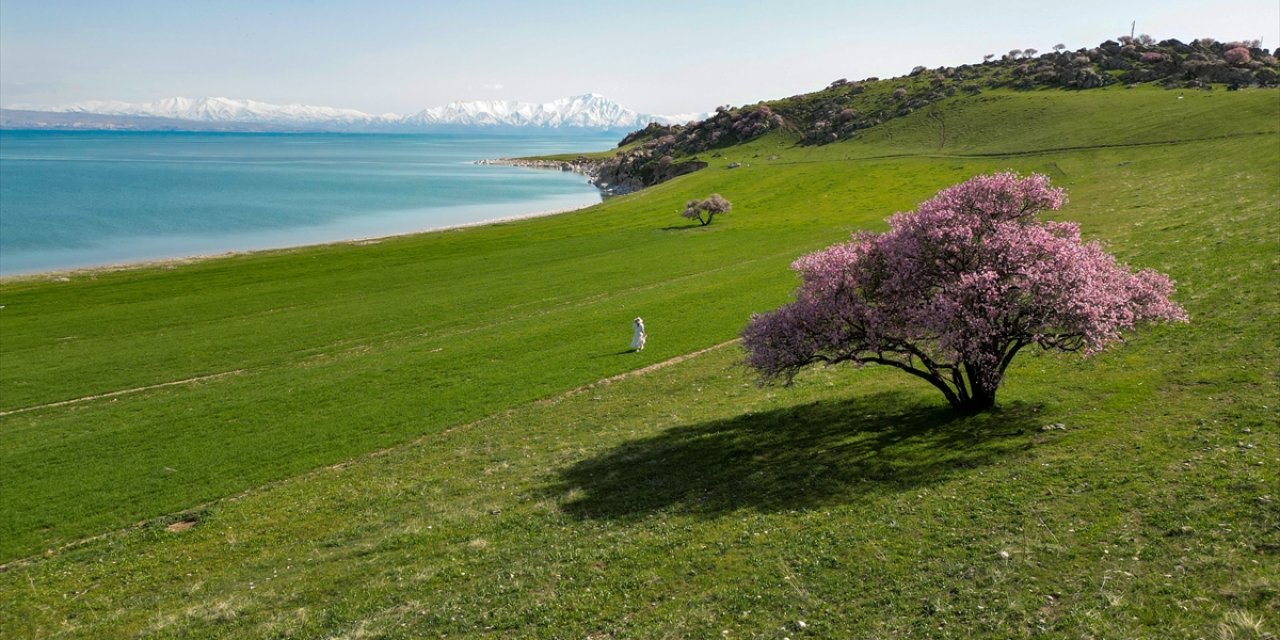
x,y
82,199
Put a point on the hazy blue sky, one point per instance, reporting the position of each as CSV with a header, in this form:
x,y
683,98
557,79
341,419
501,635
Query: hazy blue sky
x,y
655,57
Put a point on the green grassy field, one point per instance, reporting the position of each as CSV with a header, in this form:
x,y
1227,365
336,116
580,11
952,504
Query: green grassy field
x,y
474,497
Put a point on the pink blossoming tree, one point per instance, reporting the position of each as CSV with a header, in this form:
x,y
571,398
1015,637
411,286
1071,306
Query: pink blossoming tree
x,y
952,292
1237,55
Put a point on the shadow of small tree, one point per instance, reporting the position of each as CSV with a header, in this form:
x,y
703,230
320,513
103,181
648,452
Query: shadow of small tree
x,y
612,354
800,457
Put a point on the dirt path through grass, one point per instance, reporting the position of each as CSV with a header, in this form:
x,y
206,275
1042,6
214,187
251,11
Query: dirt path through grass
x,y
638,372
123,392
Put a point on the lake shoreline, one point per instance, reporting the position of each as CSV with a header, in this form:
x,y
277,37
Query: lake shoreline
x,y
582,165
78,203
169,263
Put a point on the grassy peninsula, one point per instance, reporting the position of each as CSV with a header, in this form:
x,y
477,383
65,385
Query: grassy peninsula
x,y
443,436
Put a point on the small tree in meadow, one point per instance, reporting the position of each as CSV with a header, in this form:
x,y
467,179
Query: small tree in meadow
x,y
704,210
953,291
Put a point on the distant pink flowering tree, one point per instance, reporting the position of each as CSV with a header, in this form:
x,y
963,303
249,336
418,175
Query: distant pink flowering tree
x,y
952,292
1237,55
709,206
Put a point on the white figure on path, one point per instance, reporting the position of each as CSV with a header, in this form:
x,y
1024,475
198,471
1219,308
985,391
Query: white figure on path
x,y
638,338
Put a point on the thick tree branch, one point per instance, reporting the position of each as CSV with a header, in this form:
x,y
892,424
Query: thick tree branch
x,y
924,375
1010,353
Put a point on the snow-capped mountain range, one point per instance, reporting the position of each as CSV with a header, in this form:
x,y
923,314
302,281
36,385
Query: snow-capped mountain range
x,y
215,110
589,111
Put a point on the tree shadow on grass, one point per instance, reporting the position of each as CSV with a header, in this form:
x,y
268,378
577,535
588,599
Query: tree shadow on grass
x,y
799,457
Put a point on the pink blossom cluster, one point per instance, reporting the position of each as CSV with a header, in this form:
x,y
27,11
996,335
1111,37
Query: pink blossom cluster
x,y
955,289
1237,55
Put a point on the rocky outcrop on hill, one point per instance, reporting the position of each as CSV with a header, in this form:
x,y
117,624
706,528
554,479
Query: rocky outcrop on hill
x,y
842,109
636,169
610,176
1137,60
727,127
650,154
658,152
581,164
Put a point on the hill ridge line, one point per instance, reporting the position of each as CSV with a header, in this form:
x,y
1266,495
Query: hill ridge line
x,y
190,513
1035,152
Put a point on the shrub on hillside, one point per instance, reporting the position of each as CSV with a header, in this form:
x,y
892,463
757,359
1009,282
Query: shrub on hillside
x,y
652,131
953,291
1237,55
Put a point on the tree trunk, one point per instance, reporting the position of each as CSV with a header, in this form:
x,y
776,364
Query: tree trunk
x,y
978,401
981,396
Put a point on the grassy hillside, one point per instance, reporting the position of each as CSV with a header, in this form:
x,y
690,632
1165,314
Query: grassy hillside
x,y
681,502
847,110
